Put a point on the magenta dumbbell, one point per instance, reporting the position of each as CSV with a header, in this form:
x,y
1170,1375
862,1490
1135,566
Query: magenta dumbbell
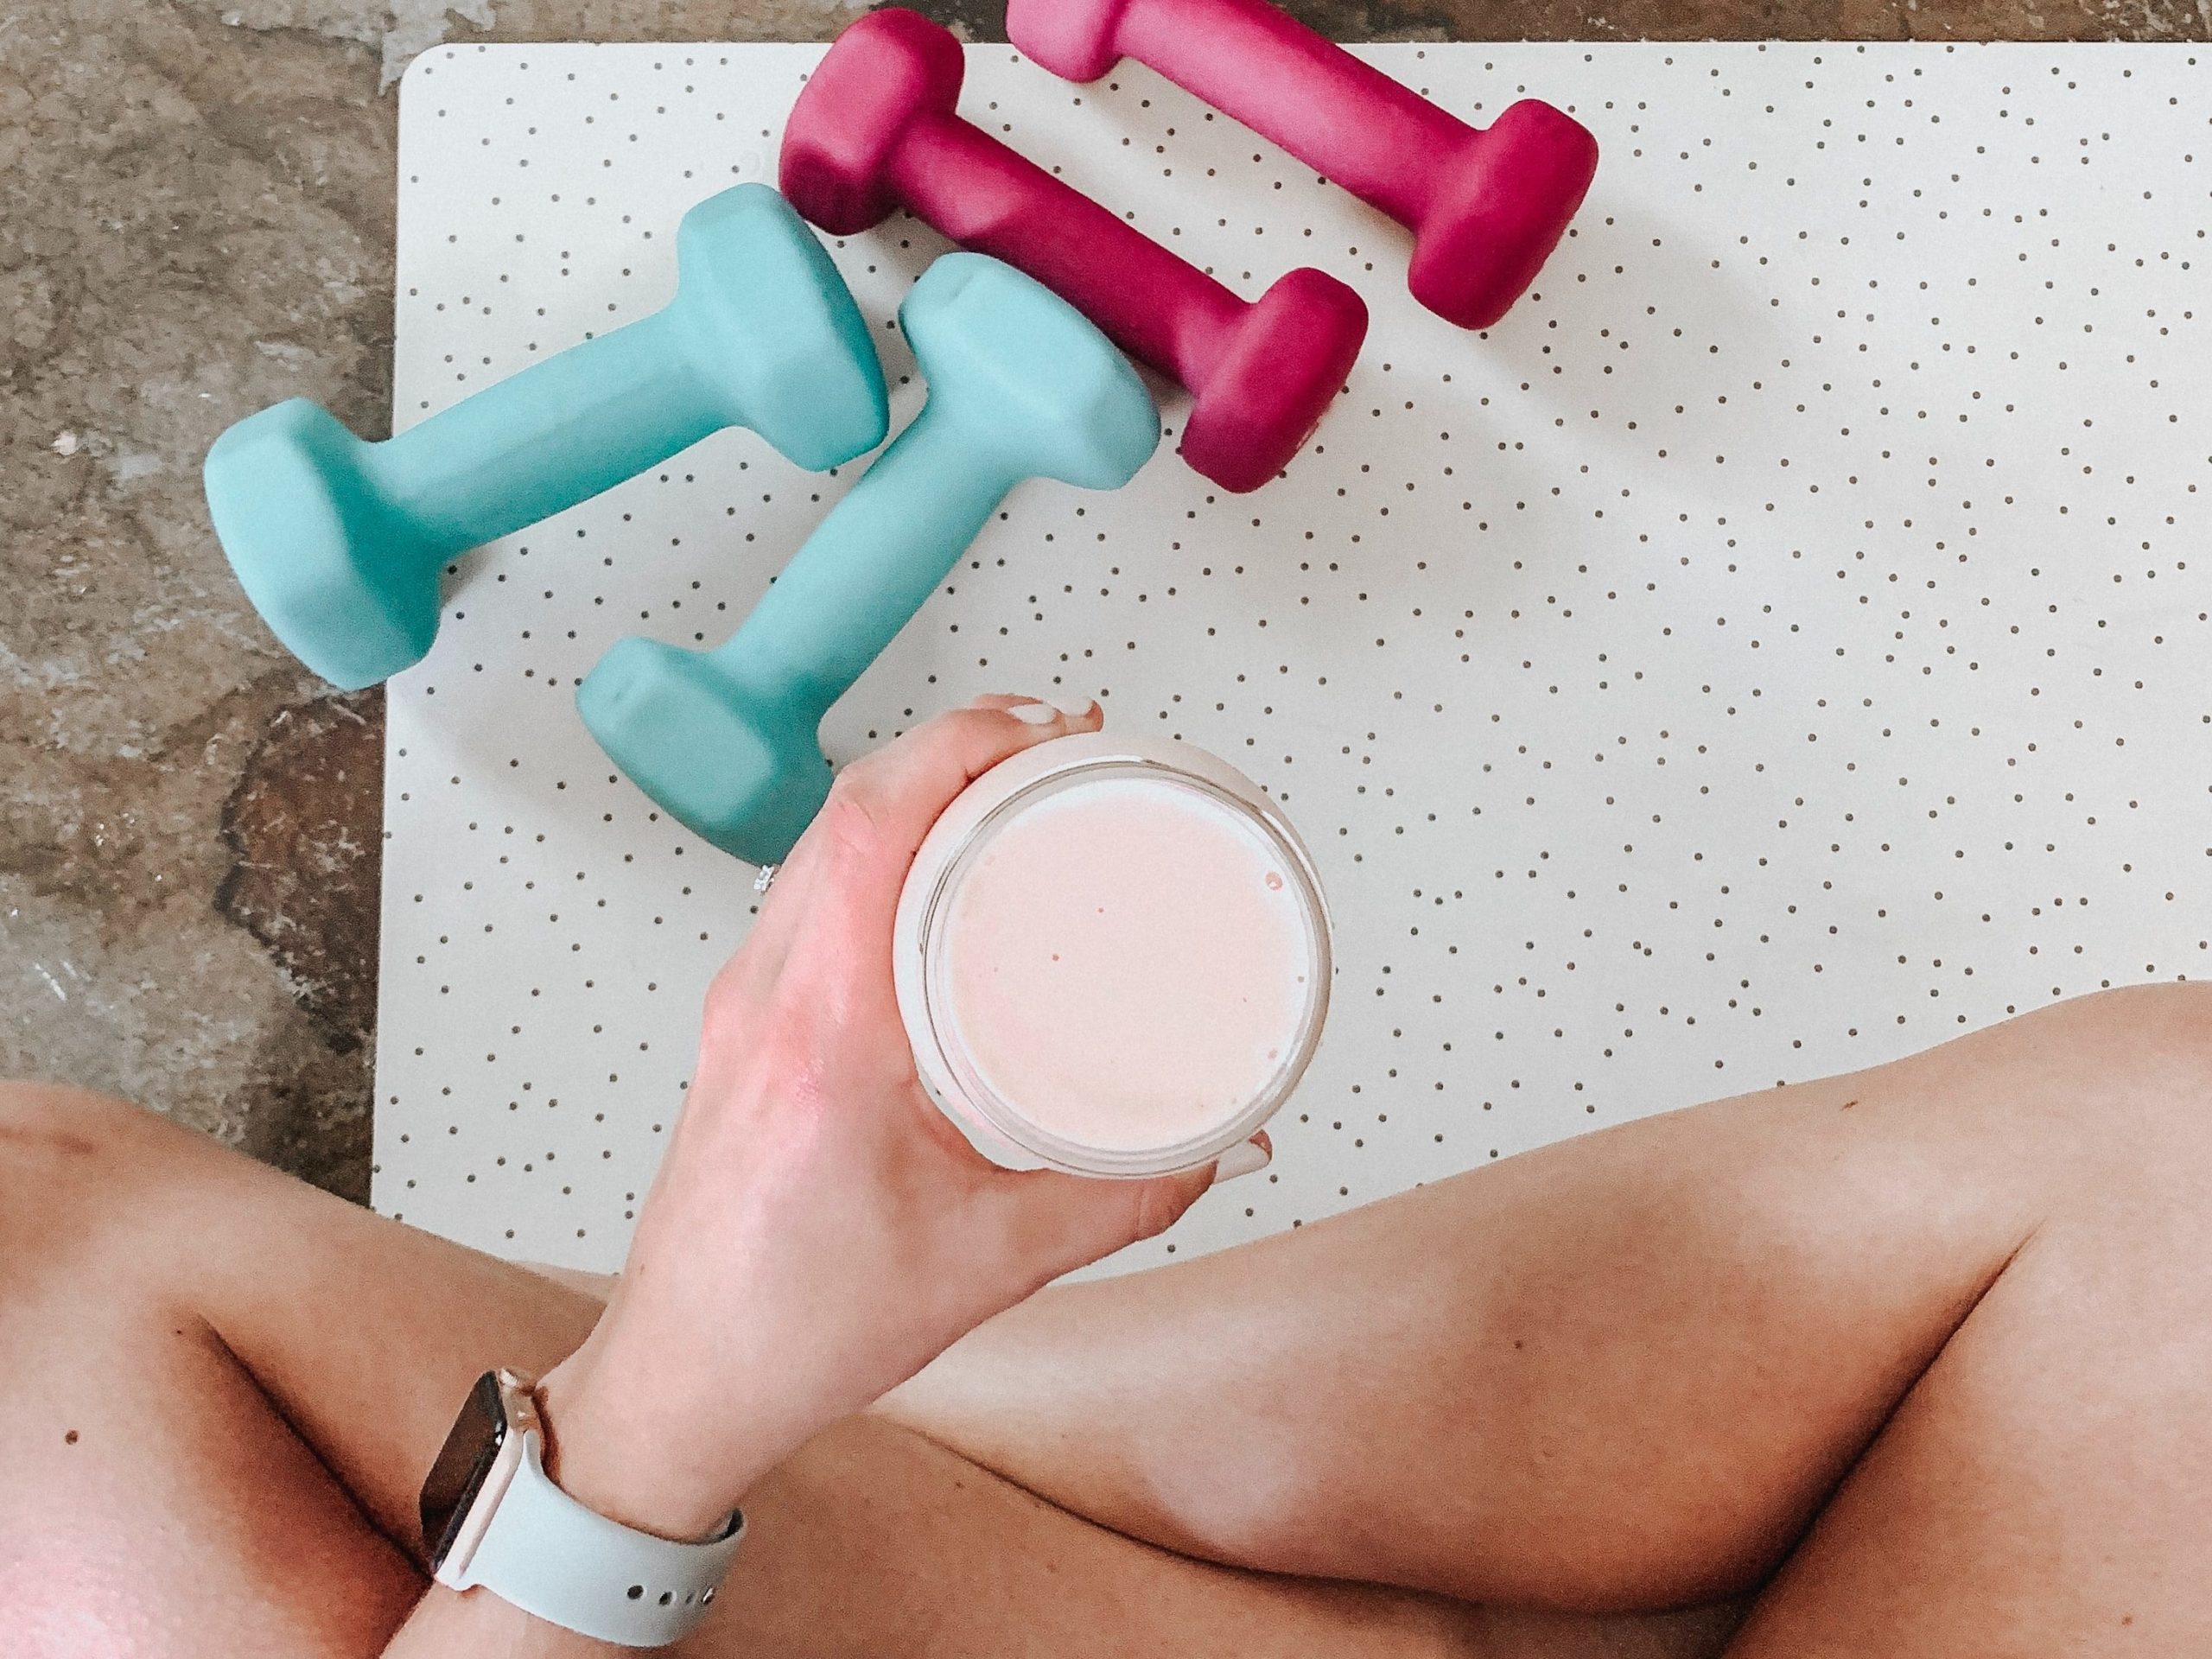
x,y
1486,205
875,129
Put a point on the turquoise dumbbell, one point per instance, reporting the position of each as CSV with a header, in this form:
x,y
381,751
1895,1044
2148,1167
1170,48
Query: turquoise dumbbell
x,y
340,544
1020,386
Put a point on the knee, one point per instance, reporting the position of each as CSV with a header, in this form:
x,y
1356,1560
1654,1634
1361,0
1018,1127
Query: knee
x,y
52,1124
2161,1031
2139,1060
64,1154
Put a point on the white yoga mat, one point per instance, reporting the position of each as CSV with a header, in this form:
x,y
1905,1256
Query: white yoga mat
x,y
1779,646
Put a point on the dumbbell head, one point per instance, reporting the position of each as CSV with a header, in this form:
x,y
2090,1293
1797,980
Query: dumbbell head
x,y
773,329
734,763
338,577
1020,386
1072,38
1260,400
884,71
1503,210
1032,383
340,544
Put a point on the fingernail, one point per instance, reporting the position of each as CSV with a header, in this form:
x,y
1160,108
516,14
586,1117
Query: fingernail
x,y
1034,714
1080,710
1245,1158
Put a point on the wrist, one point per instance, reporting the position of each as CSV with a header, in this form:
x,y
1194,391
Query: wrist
x,y
618,1451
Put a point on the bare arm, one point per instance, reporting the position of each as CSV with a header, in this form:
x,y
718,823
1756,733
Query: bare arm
x,y
818,1232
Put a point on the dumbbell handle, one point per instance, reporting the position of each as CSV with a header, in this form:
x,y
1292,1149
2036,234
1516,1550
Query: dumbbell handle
x,y
1380,140
541,440
866,569
1153,304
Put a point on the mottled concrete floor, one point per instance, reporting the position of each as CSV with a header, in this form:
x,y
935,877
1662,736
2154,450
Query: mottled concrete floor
x,y
196,204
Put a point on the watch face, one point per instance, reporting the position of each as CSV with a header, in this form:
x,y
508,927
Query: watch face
x,y
459,1474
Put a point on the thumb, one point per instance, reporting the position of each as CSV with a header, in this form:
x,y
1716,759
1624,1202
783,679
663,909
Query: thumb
x,y
1162,1200
1102,1215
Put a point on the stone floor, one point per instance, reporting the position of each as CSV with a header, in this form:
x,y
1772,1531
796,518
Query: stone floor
x,y
196,202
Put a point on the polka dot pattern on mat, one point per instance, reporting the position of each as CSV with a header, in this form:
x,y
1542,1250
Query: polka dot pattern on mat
x,y
1778,646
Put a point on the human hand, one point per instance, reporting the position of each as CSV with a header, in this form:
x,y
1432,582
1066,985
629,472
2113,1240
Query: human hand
x,y
818,1230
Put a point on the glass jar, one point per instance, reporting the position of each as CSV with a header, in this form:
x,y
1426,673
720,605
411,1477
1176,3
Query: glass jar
x,y
1112,957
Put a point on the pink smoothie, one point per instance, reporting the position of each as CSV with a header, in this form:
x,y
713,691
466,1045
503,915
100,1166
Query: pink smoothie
x,y
1127,963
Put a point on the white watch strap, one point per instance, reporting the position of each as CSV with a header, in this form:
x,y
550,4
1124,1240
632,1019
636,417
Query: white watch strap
x,y
568,1565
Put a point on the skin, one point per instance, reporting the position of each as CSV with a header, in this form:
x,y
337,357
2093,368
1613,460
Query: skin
x,y
817,1225
1915,1362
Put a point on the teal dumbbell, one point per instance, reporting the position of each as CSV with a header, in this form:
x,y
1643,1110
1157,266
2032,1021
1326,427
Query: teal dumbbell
x,y
340,544
1020,386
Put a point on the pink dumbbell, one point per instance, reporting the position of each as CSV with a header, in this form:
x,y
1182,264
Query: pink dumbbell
x,y
1486,205
875,130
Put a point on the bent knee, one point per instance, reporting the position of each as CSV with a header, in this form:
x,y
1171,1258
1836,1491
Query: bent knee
x,y
68,1157
2155,1038
2131,1070
47,1128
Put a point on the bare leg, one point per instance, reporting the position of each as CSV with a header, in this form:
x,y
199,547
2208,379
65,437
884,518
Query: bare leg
x,y
1965,1293
1699,1303
223,1388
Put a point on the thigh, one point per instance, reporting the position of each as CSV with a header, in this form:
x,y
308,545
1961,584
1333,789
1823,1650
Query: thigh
x,y
1628,1370
152,1504
2046,1486
218,1383
223,1388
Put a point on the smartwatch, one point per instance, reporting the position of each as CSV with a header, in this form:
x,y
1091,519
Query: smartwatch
x,y
493,1517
